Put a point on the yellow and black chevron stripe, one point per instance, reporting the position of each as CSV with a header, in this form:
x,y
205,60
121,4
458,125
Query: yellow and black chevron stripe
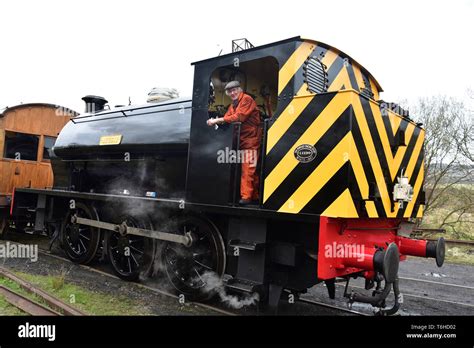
x,y
356,164
342,72
355,168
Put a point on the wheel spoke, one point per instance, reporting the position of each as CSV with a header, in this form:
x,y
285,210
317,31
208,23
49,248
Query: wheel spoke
x,y
129,265
82,243
200,278
138,251
201,264
83,236
202,252
134,259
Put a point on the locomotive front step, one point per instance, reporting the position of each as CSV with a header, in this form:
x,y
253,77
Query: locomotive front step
x,y
247,245
242,285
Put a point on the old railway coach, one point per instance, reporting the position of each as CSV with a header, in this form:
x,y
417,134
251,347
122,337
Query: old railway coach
x,y
341,181
27,134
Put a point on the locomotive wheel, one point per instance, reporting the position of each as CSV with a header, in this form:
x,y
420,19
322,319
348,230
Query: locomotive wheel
x,y
130,255
185,266
80,242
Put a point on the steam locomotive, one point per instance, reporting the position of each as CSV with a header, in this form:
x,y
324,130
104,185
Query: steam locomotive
x,y
341,181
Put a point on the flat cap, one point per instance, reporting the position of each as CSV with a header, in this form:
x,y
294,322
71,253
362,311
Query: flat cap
x,y
232,84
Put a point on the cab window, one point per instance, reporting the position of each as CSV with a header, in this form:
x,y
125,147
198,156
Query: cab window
x,y
258,78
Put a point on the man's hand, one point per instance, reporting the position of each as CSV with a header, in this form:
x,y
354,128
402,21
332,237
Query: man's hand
x,y
214,121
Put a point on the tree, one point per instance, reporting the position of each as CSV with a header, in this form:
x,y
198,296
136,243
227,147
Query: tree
x,y
449,159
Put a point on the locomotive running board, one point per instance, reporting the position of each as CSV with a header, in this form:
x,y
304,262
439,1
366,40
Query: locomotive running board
x,y
123,229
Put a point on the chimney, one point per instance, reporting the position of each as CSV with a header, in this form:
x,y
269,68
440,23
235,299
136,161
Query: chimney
x,y
94,103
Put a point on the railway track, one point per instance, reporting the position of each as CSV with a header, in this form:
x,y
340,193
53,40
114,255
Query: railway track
x,y
54,306
202,305
456,241
301,300
438,283
143,286
51,301
24,303
333,307
425,297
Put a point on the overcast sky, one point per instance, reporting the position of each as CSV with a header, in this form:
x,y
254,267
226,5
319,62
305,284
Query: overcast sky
x,y
58,51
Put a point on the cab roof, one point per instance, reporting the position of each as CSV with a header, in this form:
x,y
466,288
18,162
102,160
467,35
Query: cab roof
x,y
292,39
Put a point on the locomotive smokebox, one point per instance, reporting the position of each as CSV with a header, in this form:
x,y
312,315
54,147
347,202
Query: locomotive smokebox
x,y
94,103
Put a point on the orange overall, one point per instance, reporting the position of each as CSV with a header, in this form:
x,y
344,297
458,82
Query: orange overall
x,y
250,138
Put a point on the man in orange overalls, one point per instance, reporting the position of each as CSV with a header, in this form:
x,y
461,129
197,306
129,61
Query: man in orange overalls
x,y
244,109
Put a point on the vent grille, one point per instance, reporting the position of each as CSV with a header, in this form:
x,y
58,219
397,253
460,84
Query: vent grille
x,y
315,75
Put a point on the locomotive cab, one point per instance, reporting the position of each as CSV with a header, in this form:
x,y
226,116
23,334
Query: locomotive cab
x,y
214,159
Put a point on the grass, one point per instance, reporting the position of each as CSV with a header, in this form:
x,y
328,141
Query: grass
x,y
460,254
452,199
459,231
448,205
57,282
90,302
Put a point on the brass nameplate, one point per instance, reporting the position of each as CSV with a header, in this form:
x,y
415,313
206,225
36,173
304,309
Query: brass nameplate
x,y
110,140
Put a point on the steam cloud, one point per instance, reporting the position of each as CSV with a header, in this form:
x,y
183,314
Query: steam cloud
x,y
213,283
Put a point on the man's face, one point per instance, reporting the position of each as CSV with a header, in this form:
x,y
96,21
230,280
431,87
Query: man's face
x,y
234,93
